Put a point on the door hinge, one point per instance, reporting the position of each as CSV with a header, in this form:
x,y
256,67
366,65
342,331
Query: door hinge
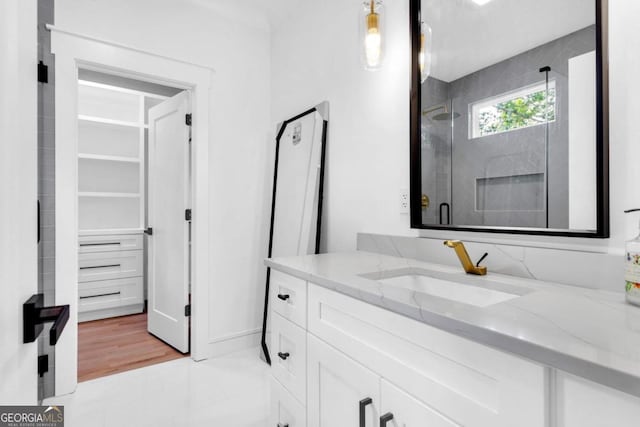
x,y
187,310
187,214
187,119
43,364
43,72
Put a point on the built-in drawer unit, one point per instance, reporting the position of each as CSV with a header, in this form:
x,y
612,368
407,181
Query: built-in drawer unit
x,y
110,274
285,409
289,297
467,383
109,265
289,355
107,294
108,243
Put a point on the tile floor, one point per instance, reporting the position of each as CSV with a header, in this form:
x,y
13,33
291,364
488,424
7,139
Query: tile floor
x,y
229,391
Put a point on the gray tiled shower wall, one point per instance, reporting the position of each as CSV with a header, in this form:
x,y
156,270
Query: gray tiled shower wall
x,y
509,154
46,186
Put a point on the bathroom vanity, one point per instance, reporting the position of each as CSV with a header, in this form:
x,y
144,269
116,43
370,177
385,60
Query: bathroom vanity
x,y
363,339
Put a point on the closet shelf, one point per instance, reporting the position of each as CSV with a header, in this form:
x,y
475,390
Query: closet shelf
x,y
110,121
108,158
108,194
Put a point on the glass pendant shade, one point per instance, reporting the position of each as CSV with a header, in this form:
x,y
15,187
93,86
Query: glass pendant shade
x,y
372,33
424,56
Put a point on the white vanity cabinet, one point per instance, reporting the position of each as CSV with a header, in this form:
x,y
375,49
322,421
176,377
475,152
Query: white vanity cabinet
x,y
582,403
341,392
468,384
364,365
406,410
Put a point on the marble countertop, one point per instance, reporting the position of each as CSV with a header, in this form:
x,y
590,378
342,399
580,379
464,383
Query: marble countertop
x,y
589,333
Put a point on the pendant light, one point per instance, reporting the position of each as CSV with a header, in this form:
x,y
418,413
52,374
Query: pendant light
x,y
372,34
424,56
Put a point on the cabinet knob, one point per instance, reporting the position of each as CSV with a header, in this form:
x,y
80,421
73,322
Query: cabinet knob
x,y
283,425
283,356
283,297
385,419
363,405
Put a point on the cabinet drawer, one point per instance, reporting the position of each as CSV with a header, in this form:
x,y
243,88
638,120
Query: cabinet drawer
x,y
285,410
469,383
109,294
289,356
289,297
109,243
109,265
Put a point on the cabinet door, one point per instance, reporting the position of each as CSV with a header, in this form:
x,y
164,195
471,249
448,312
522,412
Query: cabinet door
x,y
408,411
582,403
338,387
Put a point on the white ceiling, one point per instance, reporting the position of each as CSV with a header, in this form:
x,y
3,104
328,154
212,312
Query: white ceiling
x,y
468,37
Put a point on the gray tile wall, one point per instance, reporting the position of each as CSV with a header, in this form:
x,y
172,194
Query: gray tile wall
x,y
46,186
519,152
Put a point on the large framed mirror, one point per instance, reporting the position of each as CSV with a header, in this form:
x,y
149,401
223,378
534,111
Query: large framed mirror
x,y
509,117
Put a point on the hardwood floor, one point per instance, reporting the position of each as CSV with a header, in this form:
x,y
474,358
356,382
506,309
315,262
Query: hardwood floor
x,y
119,344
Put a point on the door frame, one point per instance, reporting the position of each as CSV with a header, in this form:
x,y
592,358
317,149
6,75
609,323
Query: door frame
x,y
19,192
74,51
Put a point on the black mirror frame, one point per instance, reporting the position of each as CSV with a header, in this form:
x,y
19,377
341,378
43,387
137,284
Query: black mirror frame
x,y
602,137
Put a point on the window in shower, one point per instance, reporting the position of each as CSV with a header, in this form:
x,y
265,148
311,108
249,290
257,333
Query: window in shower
x,y
524,107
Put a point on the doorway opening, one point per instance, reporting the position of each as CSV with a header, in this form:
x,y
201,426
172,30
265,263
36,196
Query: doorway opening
x,y
134,223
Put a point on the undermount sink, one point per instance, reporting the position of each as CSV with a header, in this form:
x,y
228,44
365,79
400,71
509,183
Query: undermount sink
x,y
473,294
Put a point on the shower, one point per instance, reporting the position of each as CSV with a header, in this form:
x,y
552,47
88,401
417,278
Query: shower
x,y
444,115
437,137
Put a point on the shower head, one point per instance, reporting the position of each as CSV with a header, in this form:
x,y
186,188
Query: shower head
x,y
444,115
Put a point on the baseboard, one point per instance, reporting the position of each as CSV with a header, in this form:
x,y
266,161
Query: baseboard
x,y
233,344
110,312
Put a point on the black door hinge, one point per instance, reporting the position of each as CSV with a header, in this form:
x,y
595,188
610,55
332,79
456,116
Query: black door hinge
x,y
187,214
187,310
43,364
187,119
43,72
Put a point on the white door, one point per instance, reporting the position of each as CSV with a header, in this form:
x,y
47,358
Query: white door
x,y
407,411
340,391
18,198
168,243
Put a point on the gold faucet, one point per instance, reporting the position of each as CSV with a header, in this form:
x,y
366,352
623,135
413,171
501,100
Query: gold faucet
x,y
463,255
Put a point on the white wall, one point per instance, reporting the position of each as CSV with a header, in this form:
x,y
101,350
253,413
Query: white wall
x,y
582,136
316,58
238,48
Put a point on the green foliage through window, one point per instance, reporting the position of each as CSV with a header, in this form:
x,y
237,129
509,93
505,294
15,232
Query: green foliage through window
x,y
523,110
